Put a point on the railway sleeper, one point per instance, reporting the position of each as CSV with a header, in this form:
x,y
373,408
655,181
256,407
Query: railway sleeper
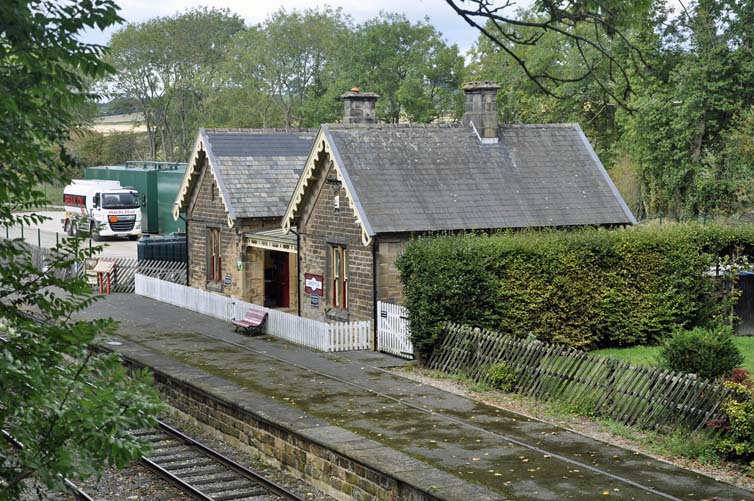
x,y
167,456
197,472
241,495
212,479
236,485
168,452
189,455
182,464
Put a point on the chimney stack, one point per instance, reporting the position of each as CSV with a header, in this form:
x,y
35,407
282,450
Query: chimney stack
x,y
359,106
481,109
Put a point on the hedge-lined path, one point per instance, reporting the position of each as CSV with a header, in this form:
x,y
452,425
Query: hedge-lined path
x,y
511,455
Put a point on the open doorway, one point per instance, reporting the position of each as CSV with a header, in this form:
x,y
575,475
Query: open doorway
x,y
276,279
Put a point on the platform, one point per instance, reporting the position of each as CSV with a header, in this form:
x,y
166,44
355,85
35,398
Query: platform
x,y
460,448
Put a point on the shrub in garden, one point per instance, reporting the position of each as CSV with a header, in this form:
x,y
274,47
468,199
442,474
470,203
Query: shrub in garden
x,y
580,288
709,353
502,376
738,375
738,442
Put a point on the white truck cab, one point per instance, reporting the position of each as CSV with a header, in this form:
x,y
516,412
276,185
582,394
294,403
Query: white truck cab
x,y
102,208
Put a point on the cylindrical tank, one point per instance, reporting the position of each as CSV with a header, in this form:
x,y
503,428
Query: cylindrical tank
x,y
171,247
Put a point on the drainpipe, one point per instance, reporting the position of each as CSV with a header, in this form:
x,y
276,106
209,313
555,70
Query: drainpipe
x,y
374,291
187,249
298,269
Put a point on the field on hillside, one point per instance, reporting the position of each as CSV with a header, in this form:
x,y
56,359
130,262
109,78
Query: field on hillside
x,y
132,122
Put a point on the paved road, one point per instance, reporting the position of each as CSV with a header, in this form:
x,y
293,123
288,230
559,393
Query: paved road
x,y
51,230
512,455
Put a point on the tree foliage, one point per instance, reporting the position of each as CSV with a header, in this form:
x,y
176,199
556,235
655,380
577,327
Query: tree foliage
x,y
686,135
203,68
588,27
682,126
64,411
290,61
417,75
168,66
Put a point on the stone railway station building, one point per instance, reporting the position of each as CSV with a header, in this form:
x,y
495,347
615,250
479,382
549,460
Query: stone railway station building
x,y
233,194
342,202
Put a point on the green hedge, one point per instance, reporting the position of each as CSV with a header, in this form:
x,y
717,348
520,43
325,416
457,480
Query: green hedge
x,y
582,288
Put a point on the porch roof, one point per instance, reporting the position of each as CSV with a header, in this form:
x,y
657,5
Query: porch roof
x,y
272,239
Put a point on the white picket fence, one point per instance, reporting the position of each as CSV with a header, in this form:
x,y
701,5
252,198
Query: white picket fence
x,y
393,331
206,303
345,336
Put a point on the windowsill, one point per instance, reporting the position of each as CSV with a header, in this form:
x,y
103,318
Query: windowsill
x,y
337,314
215,286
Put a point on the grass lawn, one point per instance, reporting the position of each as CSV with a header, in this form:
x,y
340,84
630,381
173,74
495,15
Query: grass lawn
x,y
54,194
648,355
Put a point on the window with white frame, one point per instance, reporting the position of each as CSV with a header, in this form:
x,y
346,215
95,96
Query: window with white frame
x,y
339,266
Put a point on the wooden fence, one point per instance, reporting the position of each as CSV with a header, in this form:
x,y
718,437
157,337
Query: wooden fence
x,y
646,397
122,277
125,270
41,258
344,336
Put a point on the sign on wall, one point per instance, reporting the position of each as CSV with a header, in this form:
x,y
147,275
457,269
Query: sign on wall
x,y
228,280
313,284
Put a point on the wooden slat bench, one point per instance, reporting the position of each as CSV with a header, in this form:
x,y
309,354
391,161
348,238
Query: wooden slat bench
x,y
252,322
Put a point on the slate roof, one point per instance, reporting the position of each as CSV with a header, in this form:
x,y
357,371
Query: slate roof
x,y
443,178
257,169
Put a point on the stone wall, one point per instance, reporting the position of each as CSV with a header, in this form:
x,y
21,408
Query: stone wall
x,y
254,275
206,210
321,226
292,283
337,475
389,287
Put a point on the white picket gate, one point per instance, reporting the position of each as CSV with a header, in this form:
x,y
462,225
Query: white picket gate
x,y
393,332
345,336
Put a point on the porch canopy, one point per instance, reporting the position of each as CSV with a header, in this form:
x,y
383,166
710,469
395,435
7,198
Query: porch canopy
x,y
272,239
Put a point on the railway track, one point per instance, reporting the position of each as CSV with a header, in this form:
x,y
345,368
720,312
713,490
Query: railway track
x,y
203,472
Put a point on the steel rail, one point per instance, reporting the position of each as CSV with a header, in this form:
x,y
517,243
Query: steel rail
x,y
226,462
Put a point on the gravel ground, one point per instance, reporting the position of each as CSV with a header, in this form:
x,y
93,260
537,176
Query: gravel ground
x,y
140,483
132,483
725,471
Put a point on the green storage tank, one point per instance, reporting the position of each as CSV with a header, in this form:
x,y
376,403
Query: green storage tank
x,y
157,184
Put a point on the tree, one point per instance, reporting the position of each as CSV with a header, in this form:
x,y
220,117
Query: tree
x,y
289,60
588,25
90,148
64,410
691,112
520,100
167,65
417,75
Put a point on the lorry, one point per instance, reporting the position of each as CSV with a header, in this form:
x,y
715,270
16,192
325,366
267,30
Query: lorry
x,y
101,209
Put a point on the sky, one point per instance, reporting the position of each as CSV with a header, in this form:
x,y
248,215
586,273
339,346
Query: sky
x,y
441,16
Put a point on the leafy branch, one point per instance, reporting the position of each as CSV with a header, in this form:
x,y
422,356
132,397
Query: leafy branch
x,y
605,21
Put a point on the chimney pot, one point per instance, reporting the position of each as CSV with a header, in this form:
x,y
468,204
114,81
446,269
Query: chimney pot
x,y
481,109
359,106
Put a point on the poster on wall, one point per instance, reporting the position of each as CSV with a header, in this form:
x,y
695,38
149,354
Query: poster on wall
x,y
313,284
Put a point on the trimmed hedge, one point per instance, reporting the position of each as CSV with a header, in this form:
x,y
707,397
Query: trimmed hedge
x,y
581,288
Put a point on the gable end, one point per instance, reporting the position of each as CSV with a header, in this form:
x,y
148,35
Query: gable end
x,y
202,151
322,152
